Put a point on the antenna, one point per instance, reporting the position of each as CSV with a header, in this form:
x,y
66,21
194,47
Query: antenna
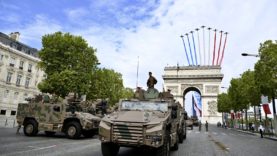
x,y
137,71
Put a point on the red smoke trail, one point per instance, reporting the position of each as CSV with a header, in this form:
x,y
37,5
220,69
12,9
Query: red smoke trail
x,y
214,45
223,48
218,53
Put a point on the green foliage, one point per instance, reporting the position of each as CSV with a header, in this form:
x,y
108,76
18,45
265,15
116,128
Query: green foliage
x,y
249,89
68,62
108,84
266,69
223,103
237,97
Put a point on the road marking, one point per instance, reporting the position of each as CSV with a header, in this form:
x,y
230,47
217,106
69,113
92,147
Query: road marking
x,y
35,149
223,134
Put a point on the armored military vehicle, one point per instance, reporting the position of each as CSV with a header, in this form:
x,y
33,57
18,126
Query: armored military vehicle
x,y
151,121
52,117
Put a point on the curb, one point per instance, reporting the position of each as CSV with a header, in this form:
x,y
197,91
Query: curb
x,y
257,134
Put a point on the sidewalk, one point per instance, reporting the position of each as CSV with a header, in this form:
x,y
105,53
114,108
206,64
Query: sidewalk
x,y
255,133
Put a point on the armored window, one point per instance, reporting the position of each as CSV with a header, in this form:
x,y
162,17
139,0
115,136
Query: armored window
x,y
12,61
30,68
13,112
27,82
21,65
3,112
9,77
18,80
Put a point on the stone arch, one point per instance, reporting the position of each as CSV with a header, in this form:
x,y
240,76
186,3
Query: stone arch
x,y
205,80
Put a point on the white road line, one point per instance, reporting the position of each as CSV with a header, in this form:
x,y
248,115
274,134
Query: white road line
x,y
35,149
223,133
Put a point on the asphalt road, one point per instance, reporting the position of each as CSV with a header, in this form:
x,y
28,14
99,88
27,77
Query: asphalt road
x,y
215,142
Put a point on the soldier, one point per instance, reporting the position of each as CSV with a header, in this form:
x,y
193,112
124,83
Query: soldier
x,y
206,125
18,128
199,124
151,81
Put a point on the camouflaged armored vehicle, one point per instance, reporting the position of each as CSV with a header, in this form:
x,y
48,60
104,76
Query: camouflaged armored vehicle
x,y
151,121
52,117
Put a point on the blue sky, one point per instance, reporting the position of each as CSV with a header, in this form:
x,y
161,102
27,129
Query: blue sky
x,y
122,30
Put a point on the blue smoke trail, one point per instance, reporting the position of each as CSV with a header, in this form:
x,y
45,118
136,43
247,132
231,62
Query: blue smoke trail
x,y
190,50
185,49
194,48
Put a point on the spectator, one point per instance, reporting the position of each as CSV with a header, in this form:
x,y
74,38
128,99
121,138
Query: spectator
x,y
261,129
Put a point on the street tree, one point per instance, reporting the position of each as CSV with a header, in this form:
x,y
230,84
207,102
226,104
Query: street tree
x,y
68,63
223,103
266,69
108,84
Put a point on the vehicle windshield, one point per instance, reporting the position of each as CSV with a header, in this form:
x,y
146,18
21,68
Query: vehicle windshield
x,y
144,105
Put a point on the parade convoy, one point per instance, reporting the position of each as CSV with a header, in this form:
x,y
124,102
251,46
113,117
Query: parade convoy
x,y
152,120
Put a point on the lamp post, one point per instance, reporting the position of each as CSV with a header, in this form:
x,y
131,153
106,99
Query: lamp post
x,y
246,54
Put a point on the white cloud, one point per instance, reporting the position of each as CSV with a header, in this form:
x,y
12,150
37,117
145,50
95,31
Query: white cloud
x,y
156,40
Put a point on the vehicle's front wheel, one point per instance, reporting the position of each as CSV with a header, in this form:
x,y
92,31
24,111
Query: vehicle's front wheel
x,y
30,128
73,130
176,145
109,149
164,150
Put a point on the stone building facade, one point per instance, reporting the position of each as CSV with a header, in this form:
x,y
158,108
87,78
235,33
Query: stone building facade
x,y
19,74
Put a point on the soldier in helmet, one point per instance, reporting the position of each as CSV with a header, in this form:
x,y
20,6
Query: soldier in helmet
x,y
151,81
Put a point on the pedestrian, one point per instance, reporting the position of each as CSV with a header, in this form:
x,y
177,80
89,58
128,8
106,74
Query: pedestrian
x,y
206,125
18,128
253,127
261,129
200,125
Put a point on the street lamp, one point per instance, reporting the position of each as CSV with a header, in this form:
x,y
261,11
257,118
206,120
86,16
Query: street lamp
x,y
246,54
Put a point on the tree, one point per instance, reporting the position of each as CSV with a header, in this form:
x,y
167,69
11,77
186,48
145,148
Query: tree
x,y
223,103
68,63
266,69
106,83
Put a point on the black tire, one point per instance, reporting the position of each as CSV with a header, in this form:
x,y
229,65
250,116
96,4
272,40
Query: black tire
x,y
88,133
73,130
181,135
30,128
164,150
49,133
109,149
176,145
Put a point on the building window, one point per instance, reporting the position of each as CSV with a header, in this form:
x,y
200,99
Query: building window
x,y
27,82
12,61
13,112
18,80
1,57
9,77
6,93
3,112
30,68
15,95
21,65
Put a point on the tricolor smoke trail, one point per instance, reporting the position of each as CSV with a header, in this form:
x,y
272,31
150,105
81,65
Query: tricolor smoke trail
x,y
185,49
194,48
199,49
190,50
211,57
214,45
218,53
223,48
204,44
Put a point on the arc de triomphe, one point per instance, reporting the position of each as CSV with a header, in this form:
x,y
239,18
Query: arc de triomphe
x,y
205,80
